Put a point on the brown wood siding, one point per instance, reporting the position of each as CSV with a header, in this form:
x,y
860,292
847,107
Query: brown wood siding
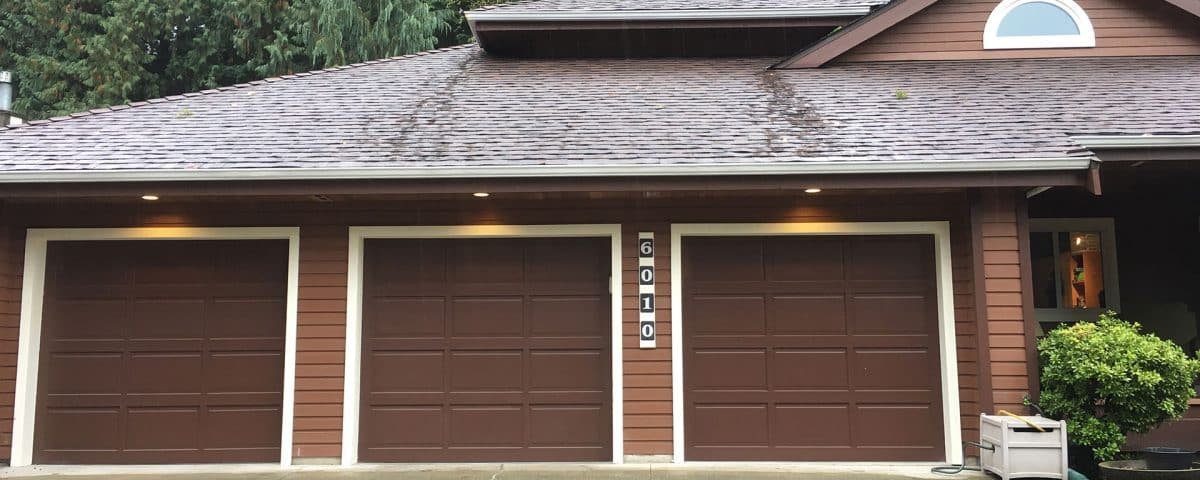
x,y
953,30
1004,299
647,373
11,258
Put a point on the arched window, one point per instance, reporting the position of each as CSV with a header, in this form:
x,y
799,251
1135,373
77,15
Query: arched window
x,y
1038,24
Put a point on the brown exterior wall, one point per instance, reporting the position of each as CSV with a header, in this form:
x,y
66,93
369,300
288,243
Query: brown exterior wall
x,y
647,394
1004,244
953,30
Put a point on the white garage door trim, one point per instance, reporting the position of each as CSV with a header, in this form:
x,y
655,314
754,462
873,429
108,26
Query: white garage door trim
x,y
30,336
945,293
350,403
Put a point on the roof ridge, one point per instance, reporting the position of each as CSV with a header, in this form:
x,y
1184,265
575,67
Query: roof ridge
x,y
228,88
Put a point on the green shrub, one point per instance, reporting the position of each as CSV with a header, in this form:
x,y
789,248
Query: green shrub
x,y
1108,379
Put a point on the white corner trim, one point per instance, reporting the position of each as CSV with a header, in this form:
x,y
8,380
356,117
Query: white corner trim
x,y
1085,39
354,335
30,331
940,230
789,166
1137,141
499,15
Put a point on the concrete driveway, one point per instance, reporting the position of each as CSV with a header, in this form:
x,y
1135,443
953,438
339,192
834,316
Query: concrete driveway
x,y
492,472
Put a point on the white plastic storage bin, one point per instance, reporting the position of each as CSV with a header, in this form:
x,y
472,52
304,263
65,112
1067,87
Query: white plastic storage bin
x,y
1021,451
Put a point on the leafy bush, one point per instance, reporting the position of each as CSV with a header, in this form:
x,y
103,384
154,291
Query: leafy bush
x,y
1108,379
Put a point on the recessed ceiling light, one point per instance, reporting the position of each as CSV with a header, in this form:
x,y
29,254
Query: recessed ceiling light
x,y
150,197
481,194
812,190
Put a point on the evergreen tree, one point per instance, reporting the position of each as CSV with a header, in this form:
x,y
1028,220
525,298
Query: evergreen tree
x,y
71,55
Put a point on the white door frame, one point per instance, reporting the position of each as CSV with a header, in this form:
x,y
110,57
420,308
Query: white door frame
x,y
350,404
945,301
32,289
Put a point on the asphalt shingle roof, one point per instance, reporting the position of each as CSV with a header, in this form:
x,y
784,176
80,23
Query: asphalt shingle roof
x,y
541,6
460,107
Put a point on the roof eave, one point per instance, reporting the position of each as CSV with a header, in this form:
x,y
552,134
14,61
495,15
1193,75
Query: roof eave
x,y
475,16
1099,142
545,171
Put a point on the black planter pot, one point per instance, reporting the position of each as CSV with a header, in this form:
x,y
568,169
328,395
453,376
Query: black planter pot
x,y
1167,458
1082,460
1136,470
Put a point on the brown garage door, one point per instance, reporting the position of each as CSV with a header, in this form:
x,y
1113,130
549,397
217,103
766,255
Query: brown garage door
x,y
162,352
811,348
486,350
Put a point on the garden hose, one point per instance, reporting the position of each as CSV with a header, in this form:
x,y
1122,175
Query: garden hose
x,y
959,468
1023,419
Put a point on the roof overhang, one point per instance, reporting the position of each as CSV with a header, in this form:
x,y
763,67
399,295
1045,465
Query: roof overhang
x,y
1107,142
807,167
489,15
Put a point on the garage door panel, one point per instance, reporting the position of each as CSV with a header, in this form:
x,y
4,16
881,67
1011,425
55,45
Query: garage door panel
x,y
808,425
164,372
818,261
86,319
808,314
893,368
709,315
487,317
810,368
180,347
850,332
406,426
475,371
479,426
157,428
234,317
93,373
571,370
889,258
425,317
413,371
890,314
574,425
508,360
176,318
81,429
726,369
908,425
257,372
499,262
729,424
725,259
257,427
559,316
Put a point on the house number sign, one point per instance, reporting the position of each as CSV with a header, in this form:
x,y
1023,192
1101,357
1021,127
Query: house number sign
x,y
647,331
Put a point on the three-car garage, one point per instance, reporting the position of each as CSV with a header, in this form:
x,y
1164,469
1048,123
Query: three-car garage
x,y
495,344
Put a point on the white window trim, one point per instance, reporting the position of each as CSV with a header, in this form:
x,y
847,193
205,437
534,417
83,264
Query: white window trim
x,y
945,301
353,377
1108,246
32,289
1085,39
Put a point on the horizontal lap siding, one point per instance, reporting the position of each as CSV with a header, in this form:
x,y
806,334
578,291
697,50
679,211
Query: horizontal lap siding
x,y
1005,300
953,30
647,373
11,258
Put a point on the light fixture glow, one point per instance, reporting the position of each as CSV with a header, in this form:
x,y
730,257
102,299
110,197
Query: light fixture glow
x,y
150,197
812,190
481,194
1079,240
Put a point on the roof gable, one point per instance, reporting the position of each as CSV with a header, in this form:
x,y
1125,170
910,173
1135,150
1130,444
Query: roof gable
x,y
954,29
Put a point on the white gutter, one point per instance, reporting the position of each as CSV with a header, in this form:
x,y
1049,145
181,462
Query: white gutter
x,y
549,171
499,15
1137,141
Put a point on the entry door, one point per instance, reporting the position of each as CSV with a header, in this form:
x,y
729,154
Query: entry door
x,y
162,352
811,348
486,350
